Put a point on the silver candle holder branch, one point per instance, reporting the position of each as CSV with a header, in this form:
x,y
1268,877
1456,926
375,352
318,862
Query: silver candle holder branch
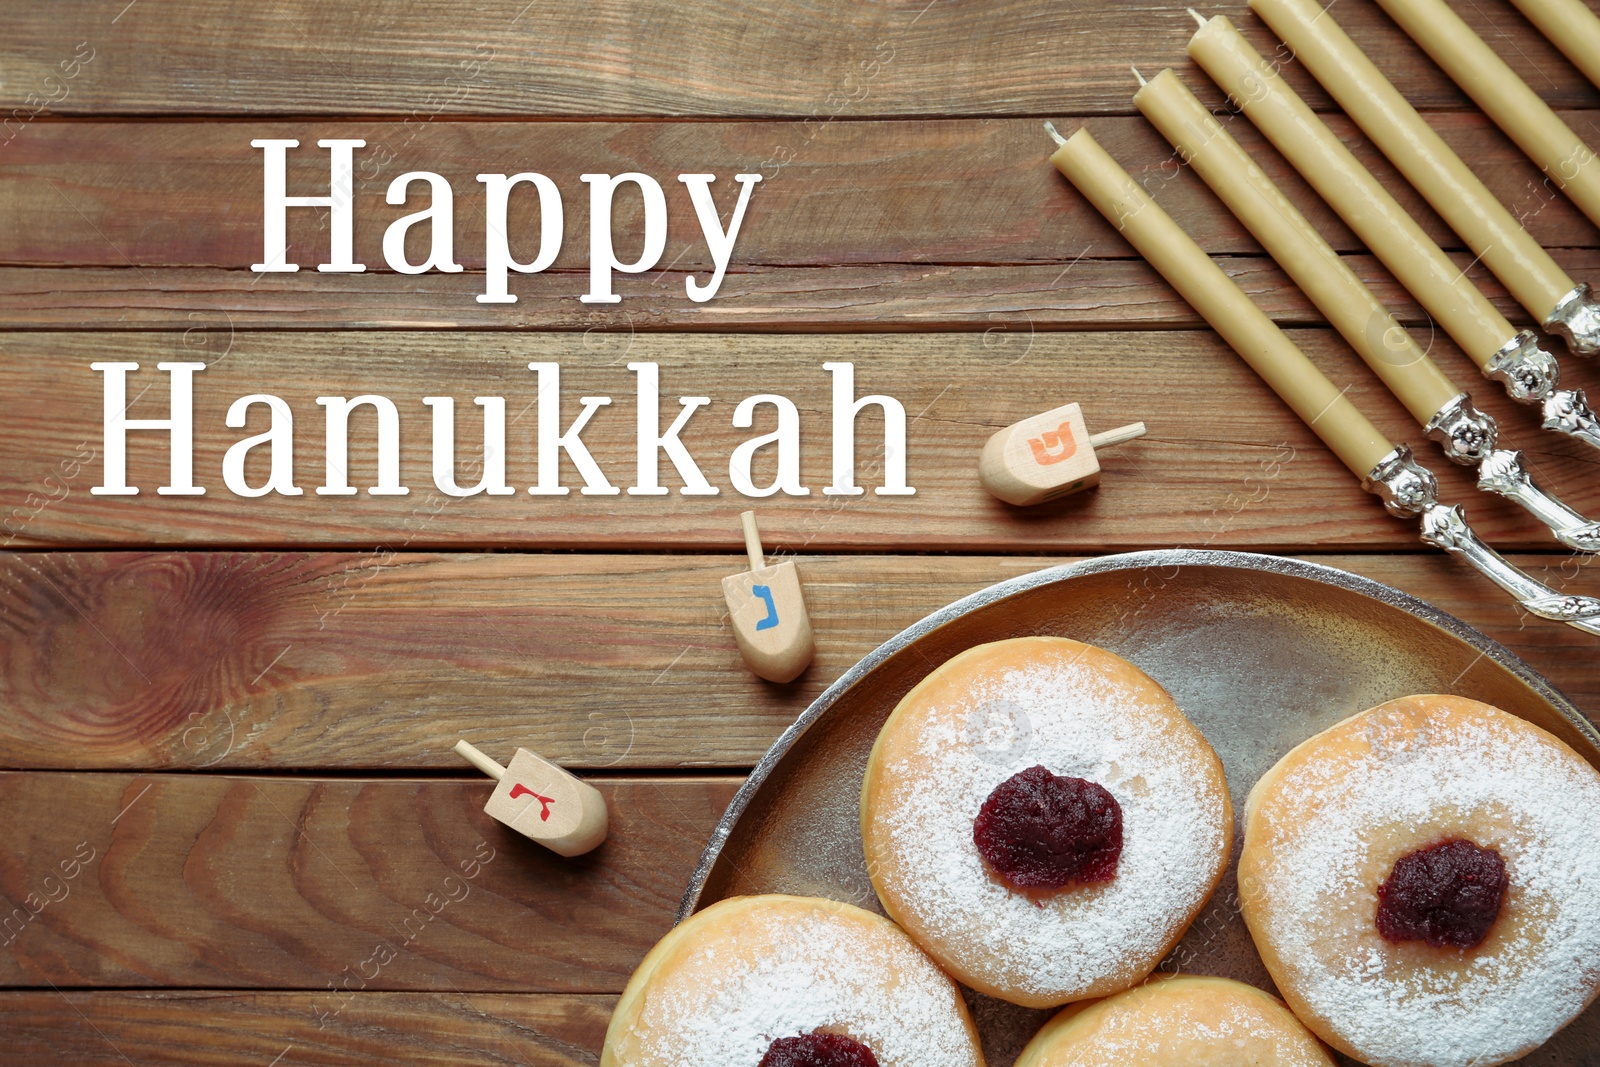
x,y
1531,375
1471,438
1407,489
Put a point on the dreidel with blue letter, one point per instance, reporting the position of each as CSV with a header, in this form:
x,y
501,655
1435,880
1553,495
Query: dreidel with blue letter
x,y
768,612
541,801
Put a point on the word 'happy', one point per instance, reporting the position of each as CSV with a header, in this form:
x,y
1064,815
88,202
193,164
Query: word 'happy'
x,y
439,217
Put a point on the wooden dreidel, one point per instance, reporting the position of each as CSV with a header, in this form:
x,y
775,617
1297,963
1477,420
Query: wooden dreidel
x,y
768,613
537,799
1047,456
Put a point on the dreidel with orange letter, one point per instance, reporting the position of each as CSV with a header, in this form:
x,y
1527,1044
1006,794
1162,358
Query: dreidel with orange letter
x,y
539,800
768,612
1047,456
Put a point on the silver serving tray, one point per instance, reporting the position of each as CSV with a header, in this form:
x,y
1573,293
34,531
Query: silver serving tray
x,y
1260,651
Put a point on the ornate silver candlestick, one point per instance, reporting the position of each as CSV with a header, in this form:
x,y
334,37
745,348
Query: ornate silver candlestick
x,y
1408,488
1386,469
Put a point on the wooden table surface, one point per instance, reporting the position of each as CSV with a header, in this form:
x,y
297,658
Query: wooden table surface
x,y
230,720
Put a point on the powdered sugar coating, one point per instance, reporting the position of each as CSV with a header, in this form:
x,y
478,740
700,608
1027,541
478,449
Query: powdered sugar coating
x,y
1180,1023
1401,776
788,966
1238,1028
1082,712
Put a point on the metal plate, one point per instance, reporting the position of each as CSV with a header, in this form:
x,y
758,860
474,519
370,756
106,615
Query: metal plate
x,y
1261,652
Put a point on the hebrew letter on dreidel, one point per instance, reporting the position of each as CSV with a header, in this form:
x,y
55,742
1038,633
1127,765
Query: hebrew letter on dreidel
x,y
1046,444
520,790
765,593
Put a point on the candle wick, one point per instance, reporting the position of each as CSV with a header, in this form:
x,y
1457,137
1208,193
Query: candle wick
x,y
1136,74
1201,19
1050,128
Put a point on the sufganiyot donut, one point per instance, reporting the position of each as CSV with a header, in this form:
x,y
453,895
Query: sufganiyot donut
x,y
751,980
1178,1021
1040,816
1423,883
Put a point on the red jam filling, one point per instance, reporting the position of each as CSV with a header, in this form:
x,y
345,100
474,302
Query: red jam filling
x,y
1448,895
818,1049
1044,831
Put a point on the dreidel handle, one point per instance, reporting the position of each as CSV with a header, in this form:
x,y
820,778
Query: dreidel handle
x,y
1117,436
752,539
475,756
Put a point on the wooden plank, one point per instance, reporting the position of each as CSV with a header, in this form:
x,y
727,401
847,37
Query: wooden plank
x,y
253,661
616,57
918,192
1098,294
957,389
192,1028
332,885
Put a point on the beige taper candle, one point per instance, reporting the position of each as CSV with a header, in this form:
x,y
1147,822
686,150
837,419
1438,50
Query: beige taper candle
x,y
1151,231
1419,153
1571,27
1296,246
1386,227
1504,97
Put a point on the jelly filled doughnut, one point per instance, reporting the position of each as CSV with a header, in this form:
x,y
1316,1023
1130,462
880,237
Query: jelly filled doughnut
x,y
1177,1022
1042,819
1421,882
781,981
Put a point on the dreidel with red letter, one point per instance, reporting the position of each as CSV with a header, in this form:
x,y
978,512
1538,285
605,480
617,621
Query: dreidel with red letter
x,y
539,800
768,612
1047,456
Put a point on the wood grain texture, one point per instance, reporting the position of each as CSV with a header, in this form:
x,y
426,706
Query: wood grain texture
x,y
198,1028
1182,485
334,886
337,919
1095,294
870,193
212,661
822,59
